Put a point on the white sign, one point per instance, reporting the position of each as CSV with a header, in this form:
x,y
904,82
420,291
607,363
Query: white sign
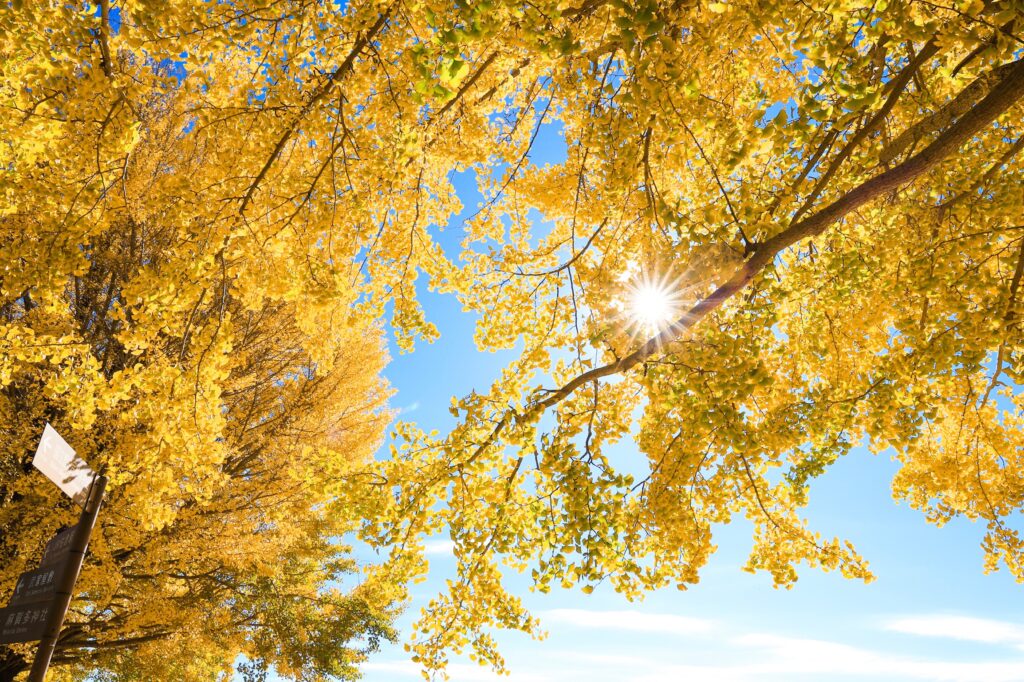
x,y
57,460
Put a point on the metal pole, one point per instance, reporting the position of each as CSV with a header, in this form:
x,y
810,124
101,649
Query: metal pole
x,y
66,587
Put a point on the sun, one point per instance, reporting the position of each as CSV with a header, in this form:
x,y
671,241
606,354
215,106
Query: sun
x,y
652,304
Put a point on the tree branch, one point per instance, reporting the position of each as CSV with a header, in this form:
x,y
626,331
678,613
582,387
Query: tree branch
x,y
319,94
1001,98
941,118
104,38
896,88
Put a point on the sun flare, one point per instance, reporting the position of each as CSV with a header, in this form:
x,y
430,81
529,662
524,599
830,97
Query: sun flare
x,y
652,304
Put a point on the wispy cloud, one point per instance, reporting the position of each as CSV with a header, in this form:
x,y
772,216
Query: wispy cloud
x,y
709,653
411,407
436,547
964,628
768,656
795,655
663,623
764,657
404,668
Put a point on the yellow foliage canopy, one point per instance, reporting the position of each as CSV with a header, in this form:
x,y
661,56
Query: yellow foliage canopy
x,y
228,387
209,206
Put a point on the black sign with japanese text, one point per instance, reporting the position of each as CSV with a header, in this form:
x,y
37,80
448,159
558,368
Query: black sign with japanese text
x,y
37,585
24,623
24,619
57,549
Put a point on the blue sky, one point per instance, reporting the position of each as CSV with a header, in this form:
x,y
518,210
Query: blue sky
x,y
931,614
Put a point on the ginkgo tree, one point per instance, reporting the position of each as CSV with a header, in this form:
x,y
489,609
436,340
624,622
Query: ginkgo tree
x,y
209,208
229,388
827,200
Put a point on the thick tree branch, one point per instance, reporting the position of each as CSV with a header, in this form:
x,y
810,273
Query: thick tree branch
x,y
955,108
896,87
1001,98
1006,93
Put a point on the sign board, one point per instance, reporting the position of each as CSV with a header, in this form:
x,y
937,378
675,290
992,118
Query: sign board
x,y
37,585
57,549
24,623
58,462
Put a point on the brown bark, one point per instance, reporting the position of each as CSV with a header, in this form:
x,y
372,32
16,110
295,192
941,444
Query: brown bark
x,y
1007,92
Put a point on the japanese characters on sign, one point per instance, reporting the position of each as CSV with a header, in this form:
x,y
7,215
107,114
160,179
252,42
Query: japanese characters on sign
x,y
24,619
24,623
36,585
57,548
41,596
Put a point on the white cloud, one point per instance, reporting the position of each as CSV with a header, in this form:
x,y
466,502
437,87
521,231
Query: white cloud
x,y
606,661
960,627
710,654
887,669
435,547
663,623
411,407
760,657
404,668
787,656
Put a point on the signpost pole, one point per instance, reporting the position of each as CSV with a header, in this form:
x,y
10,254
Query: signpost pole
x,y
79,544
